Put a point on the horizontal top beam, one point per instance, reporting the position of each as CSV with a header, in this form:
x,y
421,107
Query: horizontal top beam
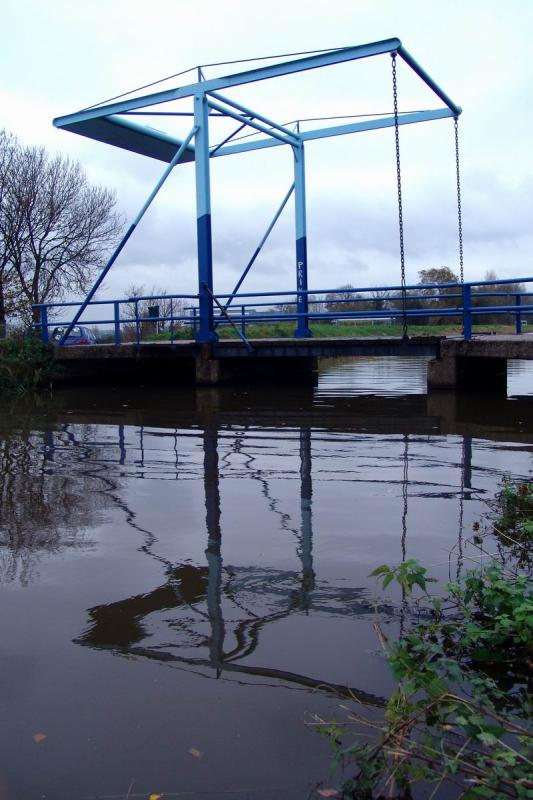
x,y
103,123
238,79
338,130
129,136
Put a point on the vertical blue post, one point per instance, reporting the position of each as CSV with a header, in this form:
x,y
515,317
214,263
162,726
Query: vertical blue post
x,y
206,331
137,323
243,321
302,304
467,311
518,315
116,306
171,322
44,324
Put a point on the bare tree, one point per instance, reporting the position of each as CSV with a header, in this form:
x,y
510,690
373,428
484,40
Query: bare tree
x,y
166,308
55,226
380,299
8,288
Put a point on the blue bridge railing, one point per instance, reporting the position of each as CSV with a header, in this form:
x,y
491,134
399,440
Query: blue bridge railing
x,y
139,318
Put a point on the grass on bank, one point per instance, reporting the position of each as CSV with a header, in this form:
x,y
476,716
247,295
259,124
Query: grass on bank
x,y
321,330
460,721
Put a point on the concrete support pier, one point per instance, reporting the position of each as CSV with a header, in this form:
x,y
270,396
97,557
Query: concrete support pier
x,y
211,370
476,364
487,374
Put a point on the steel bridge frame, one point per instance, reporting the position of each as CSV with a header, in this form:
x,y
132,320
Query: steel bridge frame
x,y
111,123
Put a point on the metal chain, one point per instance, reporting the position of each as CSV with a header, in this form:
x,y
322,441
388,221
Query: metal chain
x,y
459,211
405,495
399,183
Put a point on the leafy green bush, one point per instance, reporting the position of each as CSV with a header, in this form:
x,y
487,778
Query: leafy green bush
x,y
26,364
514,522
463,707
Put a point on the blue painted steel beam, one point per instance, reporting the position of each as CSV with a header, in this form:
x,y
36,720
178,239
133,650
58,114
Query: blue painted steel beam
x,y
127,235
249,113
329,58
259,247
302,302
161,146
101,124
377,124
428,80
342,130
206,332
416,286
214,149
246,120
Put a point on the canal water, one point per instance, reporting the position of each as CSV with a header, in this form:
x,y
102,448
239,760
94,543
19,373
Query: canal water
x,y
184,573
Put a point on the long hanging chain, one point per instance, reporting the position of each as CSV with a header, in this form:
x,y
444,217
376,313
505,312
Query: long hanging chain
x,y
459,211
399,183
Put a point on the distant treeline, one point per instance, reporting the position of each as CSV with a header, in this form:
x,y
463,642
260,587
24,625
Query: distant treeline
x,y
425,297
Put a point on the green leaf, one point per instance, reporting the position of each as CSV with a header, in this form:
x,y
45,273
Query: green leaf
x,y
387,580
487,738
380,571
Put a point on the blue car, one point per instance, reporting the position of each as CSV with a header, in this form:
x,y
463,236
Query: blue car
x,y
78,335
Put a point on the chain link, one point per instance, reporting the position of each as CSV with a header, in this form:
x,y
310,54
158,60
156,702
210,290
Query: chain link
x,y
399,183
459,211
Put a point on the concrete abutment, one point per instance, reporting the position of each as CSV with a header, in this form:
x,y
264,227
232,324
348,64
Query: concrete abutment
x,y
211,371
472,365
474,373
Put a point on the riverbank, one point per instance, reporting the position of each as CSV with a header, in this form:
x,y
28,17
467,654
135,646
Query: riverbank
x,y
461,716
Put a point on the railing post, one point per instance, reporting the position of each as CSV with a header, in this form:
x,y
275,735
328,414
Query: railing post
x,y
116,306
518,315
137,323
44,324
467,311
171,321
302,303
194,322
243,320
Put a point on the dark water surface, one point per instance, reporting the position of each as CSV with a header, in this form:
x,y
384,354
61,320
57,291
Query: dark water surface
x,y
183,573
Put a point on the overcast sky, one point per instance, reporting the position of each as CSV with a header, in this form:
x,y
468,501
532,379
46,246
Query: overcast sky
x,y
59,56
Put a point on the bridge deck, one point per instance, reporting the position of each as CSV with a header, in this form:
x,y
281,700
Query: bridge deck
x,y
496,346
455,362
261,348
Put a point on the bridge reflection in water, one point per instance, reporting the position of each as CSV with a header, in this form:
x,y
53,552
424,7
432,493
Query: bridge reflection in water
x,y
211,617
196,595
